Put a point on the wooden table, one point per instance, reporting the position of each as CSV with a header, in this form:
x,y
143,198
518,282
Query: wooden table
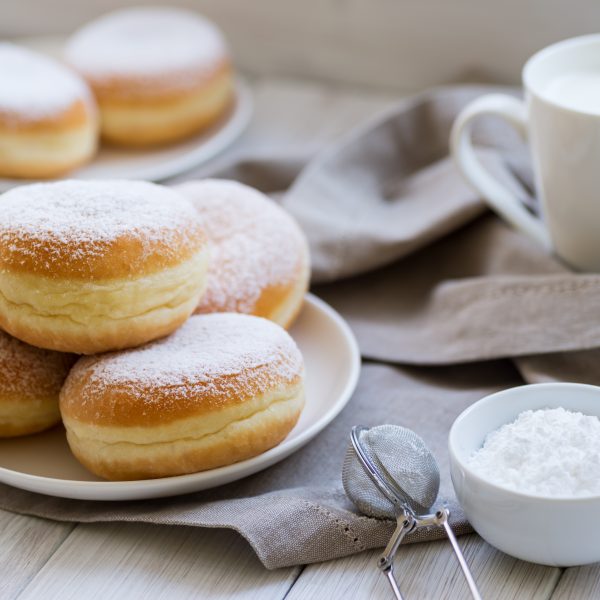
x,y
45,559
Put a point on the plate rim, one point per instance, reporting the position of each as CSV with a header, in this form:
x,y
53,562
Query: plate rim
x,y
231,130
109,489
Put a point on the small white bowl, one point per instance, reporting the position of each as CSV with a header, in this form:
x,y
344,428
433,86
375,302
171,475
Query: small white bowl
x,y
551,531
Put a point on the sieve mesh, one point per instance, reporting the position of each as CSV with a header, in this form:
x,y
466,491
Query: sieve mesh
x,y
404,462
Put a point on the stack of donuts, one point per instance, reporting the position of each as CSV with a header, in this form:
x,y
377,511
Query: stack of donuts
x,y
137,77
151,321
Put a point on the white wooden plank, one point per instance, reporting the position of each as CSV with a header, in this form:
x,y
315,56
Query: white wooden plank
x,y
401,44
428,571
100,561
579,583
321,110
27,543
320,114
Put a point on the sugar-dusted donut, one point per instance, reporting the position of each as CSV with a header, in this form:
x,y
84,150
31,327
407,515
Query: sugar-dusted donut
x,y
259,256
30,380
159,74
48,118
221,389
90,266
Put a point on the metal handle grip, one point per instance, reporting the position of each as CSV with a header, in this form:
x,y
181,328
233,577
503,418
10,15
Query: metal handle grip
x,y
444,514
405,525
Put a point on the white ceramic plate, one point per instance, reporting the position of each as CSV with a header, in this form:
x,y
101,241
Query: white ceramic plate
x,y
43,463
155,164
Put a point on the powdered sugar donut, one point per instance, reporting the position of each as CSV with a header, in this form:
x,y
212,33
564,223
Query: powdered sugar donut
x,y
48,120
90,266
259,256
30,380
159,74
221,389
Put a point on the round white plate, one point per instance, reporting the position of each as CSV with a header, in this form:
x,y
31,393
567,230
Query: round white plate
x,y
43,463
159,163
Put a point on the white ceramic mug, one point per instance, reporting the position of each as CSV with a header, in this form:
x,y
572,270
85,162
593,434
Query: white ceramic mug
x,y
561,118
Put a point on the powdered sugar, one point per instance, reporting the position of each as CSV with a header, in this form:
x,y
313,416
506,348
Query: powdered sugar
x,y
220,352
549,452
34,87
85,217
29,371
254,243
146,42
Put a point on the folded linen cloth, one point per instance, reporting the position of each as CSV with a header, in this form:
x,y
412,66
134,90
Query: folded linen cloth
x,y
447,302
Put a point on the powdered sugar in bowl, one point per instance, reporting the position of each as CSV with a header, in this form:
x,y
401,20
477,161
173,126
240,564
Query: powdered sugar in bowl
x,y
552,518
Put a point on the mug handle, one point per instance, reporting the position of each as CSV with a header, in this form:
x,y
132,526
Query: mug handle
x,y
500,198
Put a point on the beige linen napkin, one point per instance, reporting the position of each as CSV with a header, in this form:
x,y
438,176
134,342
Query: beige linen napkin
x,y
448,305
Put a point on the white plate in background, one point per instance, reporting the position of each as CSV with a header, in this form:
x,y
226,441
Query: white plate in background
x,y
154,164
43,463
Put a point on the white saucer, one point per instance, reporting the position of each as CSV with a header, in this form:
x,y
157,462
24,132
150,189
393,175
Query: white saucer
x,y
43,463
160,163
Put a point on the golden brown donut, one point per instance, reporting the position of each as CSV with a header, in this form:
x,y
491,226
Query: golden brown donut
x,y
30,380
221,389
259,256
48,118
90,266
159,74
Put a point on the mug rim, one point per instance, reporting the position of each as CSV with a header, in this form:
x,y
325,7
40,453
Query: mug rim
x,y
555,48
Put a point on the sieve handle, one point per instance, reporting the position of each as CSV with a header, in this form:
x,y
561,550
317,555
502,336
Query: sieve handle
x,y
442,516
405,524
394,584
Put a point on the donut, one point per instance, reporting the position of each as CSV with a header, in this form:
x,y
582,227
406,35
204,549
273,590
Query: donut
x,y
259,256
30,380
48,119
159,74
223,388
91,266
